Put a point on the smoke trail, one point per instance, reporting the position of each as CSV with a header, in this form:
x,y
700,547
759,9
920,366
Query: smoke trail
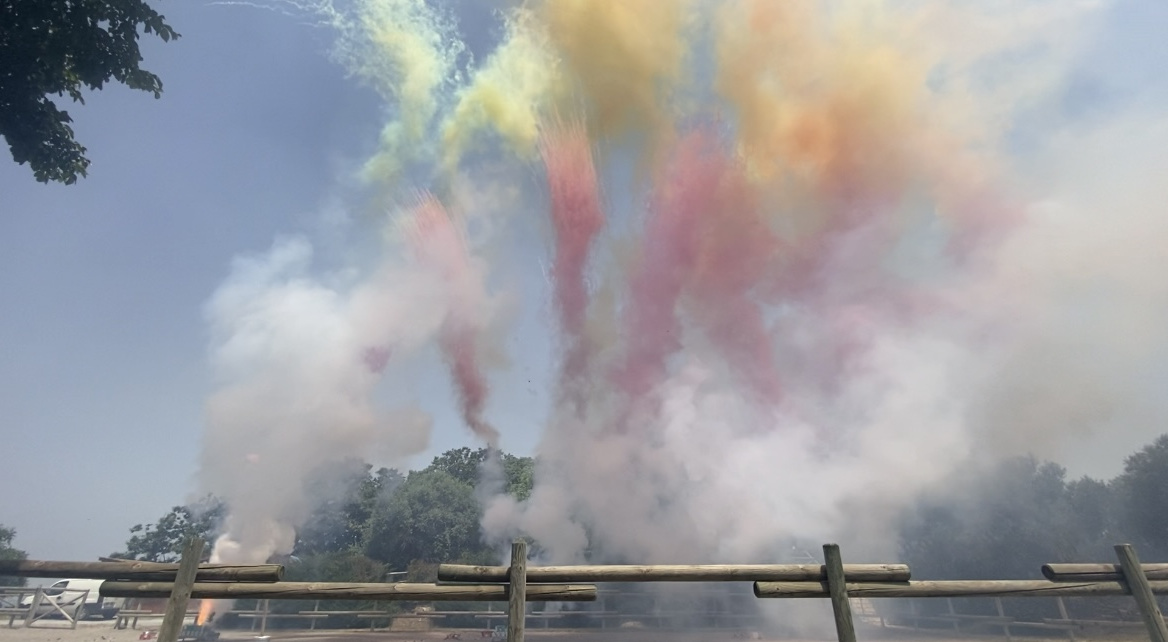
x,y
669,251
441,247
736,252
406,51
577,217
704,239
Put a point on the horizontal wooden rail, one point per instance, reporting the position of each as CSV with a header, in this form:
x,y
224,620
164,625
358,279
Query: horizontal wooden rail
x,y
960,588
140,571
689,573
406,591
1098,572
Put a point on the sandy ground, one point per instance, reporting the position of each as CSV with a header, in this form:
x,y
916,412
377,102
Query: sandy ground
x,y
98,631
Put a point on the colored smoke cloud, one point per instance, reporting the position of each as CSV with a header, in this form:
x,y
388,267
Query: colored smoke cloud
x,y
863,244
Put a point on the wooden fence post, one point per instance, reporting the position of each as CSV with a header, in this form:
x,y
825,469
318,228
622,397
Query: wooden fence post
x,y
176,606
1062,607
517,604
838,589
1134,576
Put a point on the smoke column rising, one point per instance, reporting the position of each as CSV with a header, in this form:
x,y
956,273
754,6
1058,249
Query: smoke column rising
x,y
442,247
577,218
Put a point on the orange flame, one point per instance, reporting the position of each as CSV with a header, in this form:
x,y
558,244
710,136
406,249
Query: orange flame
x,y
205,607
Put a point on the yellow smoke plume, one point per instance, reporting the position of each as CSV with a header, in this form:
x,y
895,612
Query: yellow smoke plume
x,y
622,58
507,95
406,52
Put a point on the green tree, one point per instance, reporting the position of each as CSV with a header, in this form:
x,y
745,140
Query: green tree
x,y
466,465
1005,524
460,463
520,475
344,498
164,540
9,553
432,517
1143,487
60,47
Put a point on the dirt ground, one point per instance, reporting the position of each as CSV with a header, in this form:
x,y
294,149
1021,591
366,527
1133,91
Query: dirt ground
x,y
105,632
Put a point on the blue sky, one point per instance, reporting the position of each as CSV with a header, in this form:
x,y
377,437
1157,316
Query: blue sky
x,y
103,347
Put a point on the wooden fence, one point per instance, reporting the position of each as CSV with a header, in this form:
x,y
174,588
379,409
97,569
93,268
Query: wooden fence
x,y
518,584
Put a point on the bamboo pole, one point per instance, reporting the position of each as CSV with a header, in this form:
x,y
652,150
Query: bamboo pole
x,y
845,630
140,571
180,592
1134,577
1098,572
376,591
676,573
517,600
959,588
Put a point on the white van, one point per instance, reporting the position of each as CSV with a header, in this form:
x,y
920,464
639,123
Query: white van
x,y
95,604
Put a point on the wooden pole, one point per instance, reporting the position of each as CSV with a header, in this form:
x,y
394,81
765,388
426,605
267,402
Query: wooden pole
x,y
140,571
374,591
517,601
959,588
676,573
845,630
1002,614
1098,572
1134,577
180,594
1062,608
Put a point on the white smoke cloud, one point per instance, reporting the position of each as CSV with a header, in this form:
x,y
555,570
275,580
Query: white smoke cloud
x,y
298,360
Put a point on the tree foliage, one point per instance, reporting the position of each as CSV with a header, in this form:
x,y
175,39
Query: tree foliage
x,y
463,464
59,48
9,553
1144,489
1006,522
432,517
471,468
996,527
163,541
344,498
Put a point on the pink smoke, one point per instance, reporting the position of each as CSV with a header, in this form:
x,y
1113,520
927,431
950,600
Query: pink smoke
x,y
704,239
669,250
577,218
738,250
440,246
376,358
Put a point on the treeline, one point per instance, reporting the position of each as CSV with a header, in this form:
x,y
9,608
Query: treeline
x,y
996,522
1000,522
1004,522
365,523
